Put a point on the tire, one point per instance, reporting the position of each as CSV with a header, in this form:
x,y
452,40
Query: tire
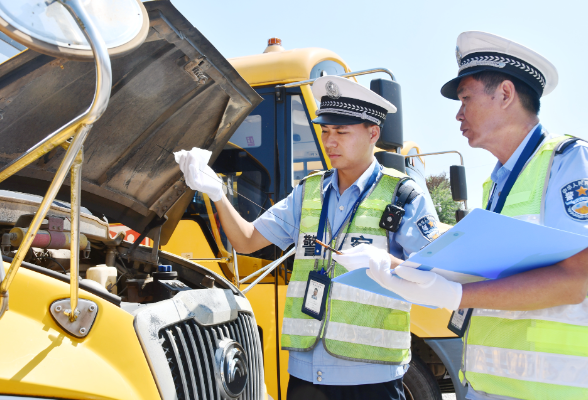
x,y
419,383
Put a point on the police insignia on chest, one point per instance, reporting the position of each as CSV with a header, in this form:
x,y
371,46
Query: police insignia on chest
x,y
575,199
428,227
308,245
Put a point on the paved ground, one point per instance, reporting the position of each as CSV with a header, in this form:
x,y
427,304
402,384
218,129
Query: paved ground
x,y
449,396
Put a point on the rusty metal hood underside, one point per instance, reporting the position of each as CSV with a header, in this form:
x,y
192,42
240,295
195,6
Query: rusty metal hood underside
x,y
175,92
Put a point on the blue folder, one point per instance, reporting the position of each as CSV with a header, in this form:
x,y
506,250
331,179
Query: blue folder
x,y
484,245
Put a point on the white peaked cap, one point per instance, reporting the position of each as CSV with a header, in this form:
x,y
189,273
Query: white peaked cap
x,y
481,51
345,102
351,89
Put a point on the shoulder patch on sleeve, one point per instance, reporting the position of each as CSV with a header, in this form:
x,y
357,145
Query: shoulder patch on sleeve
x,y
575,199
429,227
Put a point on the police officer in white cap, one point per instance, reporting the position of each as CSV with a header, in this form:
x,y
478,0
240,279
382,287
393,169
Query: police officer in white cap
x,y
344,343
528,333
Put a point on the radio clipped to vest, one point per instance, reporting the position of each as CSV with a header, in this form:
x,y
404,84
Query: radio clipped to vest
x,y
392,215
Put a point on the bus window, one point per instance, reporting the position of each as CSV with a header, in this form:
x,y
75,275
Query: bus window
x,y
305,151
248,135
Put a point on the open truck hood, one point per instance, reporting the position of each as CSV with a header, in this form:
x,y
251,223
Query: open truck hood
x,y
175,92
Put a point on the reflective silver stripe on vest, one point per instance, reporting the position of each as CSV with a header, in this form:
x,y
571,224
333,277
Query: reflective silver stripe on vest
x,y
368,336
301,327
556,369
348,293
574,314
296,289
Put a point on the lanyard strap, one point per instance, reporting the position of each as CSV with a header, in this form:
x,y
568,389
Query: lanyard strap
x,y
527,152
325,207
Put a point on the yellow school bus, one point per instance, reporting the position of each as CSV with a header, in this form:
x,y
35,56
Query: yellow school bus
x,y
271,151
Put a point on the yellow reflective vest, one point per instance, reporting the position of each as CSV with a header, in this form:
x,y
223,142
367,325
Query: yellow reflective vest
x,y
540,354
358,325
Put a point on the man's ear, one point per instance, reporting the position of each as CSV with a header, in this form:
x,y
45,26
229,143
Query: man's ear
x,y
506,91
374,133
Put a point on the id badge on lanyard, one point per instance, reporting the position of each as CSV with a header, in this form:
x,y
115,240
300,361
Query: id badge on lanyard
x,y
316,293
459,321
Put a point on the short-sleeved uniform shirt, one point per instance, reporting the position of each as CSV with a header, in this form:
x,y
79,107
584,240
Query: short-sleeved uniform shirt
x,y
280,226
569,174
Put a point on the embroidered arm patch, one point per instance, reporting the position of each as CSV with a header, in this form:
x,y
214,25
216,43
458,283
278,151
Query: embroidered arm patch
x,y
428,227
575,199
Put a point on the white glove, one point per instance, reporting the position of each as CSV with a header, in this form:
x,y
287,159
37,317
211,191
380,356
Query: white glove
x,y
363,256
422,287
199,176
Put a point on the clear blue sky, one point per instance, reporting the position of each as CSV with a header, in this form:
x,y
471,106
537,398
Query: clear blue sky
x,y
416,40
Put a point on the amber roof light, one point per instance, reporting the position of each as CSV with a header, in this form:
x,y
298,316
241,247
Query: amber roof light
x,y
274,44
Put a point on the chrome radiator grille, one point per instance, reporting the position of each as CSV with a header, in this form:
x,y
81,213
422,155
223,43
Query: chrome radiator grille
x,y
190,351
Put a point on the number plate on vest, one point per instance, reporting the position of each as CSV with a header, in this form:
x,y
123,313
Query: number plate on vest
x,y
315,295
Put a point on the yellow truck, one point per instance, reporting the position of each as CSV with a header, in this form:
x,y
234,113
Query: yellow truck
x,y
84,315
271,151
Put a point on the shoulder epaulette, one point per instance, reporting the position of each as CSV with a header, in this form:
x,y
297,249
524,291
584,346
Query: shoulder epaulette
x,y
317,173
567,143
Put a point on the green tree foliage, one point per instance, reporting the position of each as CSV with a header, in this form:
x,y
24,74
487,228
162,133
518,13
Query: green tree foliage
x,y
440,190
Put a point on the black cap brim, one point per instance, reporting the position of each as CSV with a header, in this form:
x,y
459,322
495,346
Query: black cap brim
x,y
449,90
334,119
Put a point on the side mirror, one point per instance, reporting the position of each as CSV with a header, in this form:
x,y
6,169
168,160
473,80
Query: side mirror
x,y
391,160
457,179
459,189
391,136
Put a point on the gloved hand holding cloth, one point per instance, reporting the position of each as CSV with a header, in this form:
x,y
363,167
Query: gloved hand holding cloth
x,y
199,176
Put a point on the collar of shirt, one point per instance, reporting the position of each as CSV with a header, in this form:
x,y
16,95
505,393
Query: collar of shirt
x,y
359,184
502,171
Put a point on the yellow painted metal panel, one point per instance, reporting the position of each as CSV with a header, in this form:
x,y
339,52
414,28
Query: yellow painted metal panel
x,y
282,67
427,323
262,299
285,377
188,241
40,359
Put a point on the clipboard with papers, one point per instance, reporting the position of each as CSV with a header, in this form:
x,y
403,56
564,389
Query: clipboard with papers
x,y
484,245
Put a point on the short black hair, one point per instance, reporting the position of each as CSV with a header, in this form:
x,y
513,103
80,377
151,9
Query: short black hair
x,y
367,124
529,98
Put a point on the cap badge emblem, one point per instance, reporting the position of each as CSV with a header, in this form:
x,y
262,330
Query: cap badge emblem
x,y
332,90
458,55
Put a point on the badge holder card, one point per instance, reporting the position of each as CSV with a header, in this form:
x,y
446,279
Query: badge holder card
x,y
459,321
315,295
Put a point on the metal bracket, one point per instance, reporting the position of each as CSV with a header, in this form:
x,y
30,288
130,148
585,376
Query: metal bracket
x,y
86,315
196,70
169,198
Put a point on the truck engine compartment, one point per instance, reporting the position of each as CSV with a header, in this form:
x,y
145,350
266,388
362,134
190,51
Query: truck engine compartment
x,y
143,275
